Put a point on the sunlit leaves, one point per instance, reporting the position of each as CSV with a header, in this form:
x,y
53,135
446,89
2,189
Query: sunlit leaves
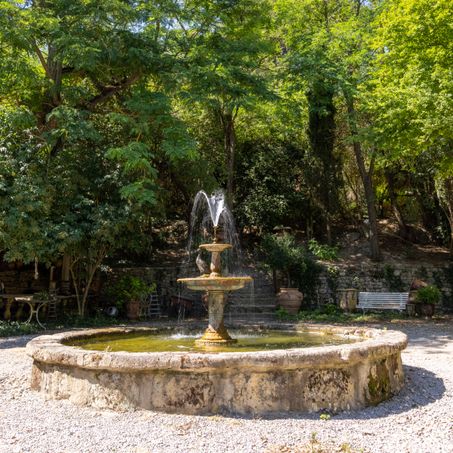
x,y
412,85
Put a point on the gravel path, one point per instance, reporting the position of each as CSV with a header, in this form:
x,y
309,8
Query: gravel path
x,y
419,419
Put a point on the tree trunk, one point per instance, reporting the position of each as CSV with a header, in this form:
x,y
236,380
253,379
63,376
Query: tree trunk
x,y
427,195
367,182
444,189
54,68
393,200
65,274
229,136
321,131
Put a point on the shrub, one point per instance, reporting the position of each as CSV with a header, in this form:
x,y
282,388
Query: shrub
x,y
281,253
428,295
130,288
323,251
14,328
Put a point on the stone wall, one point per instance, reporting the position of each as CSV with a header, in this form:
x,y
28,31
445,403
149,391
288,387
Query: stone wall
x,y
18,281
380,277
164,276
256,299
383,277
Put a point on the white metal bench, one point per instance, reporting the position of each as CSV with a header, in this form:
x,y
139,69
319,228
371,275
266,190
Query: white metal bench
x,y
382,301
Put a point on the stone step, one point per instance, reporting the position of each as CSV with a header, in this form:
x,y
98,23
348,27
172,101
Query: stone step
x,y
269,311
260,304
253,303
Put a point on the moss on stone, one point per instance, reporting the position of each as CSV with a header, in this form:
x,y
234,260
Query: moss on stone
x,y
378,383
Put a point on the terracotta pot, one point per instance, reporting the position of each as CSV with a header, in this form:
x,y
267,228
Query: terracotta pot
x,y
348,299
133,310
290,300
425,309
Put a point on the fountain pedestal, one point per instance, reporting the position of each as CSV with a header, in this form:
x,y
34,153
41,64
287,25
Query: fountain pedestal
x,y
216,286
216,331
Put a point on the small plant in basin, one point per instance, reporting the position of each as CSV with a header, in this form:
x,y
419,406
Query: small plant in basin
x,y
128,292
426,299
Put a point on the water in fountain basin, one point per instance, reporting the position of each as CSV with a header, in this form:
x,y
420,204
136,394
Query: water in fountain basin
x,y
184,341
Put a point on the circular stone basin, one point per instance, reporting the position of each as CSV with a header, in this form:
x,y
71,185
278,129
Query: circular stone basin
x,y
364,371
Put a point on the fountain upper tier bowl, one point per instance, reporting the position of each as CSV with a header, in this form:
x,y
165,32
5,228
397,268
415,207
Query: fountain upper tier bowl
x,y
215,283
216,247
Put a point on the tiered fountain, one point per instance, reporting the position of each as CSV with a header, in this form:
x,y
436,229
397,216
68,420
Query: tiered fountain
x,y
213,283
289,368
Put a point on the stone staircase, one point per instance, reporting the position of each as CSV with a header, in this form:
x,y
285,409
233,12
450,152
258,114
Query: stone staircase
x,y
255,302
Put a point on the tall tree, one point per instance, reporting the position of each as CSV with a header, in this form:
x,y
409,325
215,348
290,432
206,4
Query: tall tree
x,y
227,45
410,91
83,115
326,41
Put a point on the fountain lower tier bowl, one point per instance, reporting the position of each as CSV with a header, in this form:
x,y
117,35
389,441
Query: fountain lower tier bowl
x,y
215,283
331,377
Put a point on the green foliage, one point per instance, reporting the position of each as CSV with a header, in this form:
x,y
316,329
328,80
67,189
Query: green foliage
x,y
42,295
130,288
333,274
394,282
328,312
428,295
413,82
96,320
281,253
223,70
113,114
269,192
333,314
409,96
14,328
85,122
323,251
283,315
331,309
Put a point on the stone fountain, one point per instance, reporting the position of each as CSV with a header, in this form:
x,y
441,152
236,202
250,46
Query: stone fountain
x,y
363,369
215,286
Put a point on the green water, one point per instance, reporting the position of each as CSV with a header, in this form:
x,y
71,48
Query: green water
x,y
180,342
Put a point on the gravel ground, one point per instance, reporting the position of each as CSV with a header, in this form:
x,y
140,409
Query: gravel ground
x,y
419,419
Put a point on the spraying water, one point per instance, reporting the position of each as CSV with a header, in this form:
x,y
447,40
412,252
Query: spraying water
x,y
211,220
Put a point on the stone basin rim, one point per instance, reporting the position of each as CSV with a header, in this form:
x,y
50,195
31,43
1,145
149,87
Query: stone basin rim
x,y
52,349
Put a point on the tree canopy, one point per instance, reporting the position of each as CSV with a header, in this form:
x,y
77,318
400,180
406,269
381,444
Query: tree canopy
x,y
310,114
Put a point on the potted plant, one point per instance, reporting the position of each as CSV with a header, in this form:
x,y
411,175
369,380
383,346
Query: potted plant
x,y
416,285
282,255
426,299
128,292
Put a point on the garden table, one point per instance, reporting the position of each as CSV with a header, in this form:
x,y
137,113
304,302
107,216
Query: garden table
x,y
34,304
